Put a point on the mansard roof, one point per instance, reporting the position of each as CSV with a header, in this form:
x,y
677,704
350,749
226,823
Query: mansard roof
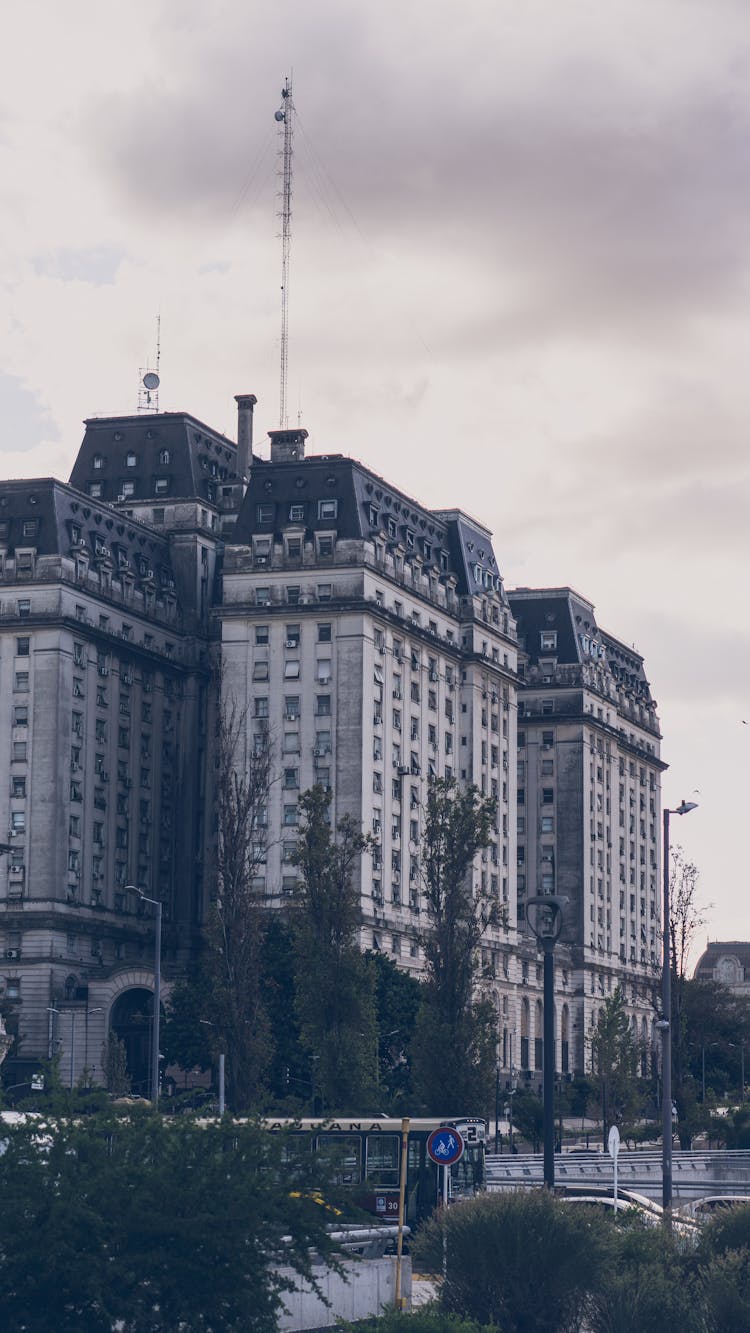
x,y
167,454
284,495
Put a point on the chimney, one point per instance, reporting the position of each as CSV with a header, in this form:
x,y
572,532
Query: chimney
x,y
245,404
287,446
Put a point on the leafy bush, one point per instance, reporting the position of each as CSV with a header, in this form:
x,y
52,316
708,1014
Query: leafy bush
x,y
422,1321
523,1261
646,1283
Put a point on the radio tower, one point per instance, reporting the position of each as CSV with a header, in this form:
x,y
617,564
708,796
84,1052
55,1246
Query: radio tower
x,y
284,116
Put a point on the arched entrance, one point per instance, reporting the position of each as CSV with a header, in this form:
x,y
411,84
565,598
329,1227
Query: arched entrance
x,y
130,1021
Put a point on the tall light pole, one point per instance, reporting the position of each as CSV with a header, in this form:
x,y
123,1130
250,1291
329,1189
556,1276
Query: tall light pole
x,y
545,918
665,1023
133,888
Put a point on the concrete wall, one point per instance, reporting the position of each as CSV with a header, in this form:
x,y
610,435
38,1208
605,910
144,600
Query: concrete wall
x,y
368,1287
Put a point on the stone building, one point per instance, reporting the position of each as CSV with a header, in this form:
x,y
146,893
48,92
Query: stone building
x,y
373,641
727,961
588,801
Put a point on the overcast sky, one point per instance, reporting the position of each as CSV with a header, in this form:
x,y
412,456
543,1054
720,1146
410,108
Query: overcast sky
x,y
520,285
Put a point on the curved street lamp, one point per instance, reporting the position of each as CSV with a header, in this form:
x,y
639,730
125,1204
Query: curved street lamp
x,y
545,918
665,1023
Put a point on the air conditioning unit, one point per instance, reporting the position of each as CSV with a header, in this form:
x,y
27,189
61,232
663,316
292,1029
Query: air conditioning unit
x,y
403,770
292,643
12,954
17,872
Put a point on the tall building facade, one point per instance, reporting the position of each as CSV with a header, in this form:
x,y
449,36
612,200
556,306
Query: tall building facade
x,y
372,639
588,798
373,642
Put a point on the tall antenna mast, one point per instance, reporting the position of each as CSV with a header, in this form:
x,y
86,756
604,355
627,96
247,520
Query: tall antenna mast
x,y
149,380
284,117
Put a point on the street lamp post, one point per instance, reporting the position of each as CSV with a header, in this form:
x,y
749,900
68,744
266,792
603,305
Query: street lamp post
x,y
665,1024
545,918
132,888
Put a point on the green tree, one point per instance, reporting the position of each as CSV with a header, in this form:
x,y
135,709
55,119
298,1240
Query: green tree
x,y
185,1036
685,920
398,996
232,962
455,1040
518,1261
115,1066
334,987
528,1117
615,1061
151,1227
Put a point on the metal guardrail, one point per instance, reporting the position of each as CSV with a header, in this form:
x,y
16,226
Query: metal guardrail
x,y
693,1173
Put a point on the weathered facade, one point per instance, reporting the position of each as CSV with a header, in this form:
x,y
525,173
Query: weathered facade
x,y
373,642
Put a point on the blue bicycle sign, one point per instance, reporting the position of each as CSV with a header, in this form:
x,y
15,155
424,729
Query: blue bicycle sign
x,y
445,1146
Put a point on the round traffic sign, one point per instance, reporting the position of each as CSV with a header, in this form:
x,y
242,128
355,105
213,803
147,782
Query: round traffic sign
x,y
445,1146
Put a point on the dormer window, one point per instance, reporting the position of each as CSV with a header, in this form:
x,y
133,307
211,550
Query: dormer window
x,y
391,527
373,515
264,513
548,641
131,459
98,461
328,509
164,457
95,490
409,536
296,513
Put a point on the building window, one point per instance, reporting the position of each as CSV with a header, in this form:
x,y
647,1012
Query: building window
x,y
22,647
21,715
324,592
21,681
261,706
265,513
262,596
291,777
296,513
261,634
291,670
291,708
18,821
548,640
324,633
328,509
323,705
290,815
548,796
24,606
260,671
19,752
161,486
98,462
18,787
95,490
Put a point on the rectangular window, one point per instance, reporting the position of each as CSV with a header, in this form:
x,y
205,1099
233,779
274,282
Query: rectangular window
x,y
291,708
328,509
261,707
21,715
291,670
19,752
262,596
265,513
21,681
548,796
324,591
323,705
261,634
291,777
324,633
290,815
296,513
24,606
260,671
293,595
22,647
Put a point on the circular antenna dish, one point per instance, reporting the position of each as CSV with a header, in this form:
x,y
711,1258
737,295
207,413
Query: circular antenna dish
x,y
278,115
150,380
